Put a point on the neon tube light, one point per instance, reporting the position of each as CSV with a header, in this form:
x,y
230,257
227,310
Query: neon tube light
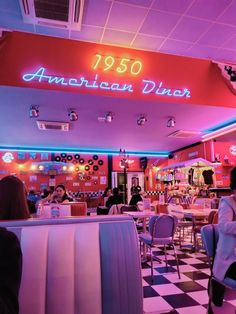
x,y
220,132
148,86
80,150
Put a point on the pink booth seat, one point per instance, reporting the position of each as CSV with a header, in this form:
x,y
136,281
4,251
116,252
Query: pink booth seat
x,y
87,265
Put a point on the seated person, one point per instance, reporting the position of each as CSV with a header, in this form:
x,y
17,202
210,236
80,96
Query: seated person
x,y
13,202
116,198
58,196
107,193
10,272
135,199
225,259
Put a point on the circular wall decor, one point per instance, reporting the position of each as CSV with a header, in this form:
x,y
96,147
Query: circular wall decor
x,y
75,162
90,162
63,160
95,157
88,178
57,158
81,161
77,169
100,162
95,168
87,168
63,155
69,157
77,156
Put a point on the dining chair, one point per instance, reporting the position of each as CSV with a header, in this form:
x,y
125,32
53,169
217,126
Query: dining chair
x,y
210,236
161,232
178,212
197,226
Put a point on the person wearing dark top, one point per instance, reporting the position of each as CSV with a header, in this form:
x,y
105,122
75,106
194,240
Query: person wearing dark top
x,y
116,198
207,175
58,196
10,272
190,176
135,199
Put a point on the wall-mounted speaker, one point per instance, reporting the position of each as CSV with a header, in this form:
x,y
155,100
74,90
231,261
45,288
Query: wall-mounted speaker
x,y
171,156
143,162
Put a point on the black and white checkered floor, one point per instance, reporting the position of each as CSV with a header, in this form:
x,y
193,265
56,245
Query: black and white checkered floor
x,y
168,294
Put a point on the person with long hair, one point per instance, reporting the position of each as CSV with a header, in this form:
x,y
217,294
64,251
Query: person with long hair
x,y
59,195
13,201
225,259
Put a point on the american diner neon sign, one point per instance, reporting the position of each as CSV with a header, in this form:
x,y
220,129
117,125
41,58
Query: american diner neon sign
x,y
148,86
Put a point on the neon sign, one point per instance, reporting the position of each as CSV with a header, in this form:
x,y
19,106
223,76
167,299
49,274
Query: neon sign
x,y
122,66
148,86
7,157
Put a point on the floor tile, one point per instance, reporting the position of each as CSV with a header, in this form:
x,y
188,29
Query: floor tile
x,y
149,292
156,304
189,286
167,289
159,279
203,282
165,270
192,261
174,278
186,268
200,296
196,275
198,309
180,300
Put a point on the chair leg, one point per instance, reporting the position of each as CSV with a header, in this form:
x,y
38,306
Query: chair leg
x,y
176,258
151,258
165,256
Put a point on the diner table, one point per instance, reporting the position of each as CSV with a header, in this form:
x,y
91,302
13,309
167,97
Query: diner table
x,y
143,215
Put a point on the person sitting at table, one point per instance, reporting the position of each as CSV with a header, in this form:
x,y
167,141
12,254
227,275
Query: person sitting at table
x,y
13,201
135,199
107,193
114,199
58,196
225,259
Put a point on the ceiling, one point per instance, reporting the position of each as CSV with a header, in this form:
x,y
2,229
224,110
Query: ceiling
x,y
194,28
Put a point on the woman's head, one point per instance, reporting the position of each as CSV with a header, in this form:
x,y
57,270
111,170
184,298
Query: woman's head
x,y
116,191
13,202
233,179
60,191
107,192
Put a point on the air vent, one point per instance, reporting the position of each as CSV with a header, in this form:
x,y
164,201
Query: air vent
x,y
63,14
184,134
52,125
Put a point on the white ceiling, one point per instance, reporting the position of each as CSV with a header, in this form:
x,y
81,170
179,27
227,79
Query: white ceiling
x,y
198,28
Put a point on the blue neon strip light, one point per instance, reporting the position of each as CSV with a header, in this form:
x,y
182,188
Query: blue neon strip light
x,y
148,86
218,127
80,150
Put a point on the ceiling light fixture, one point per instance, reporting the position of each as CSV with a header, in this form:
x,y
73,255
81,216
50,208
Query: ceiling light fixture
x,y
170,122
34,111
72,115
141,120
109,117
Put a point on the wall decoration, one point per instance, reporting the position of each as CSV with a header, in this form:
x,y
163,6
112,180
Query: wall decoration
x,y
100,162
95,168
95,157
32,155
44,156
69,157
90,162
32,178
76,184
81,161
69,178
52,182
63,155
88,184
77,156
8,157
57,158
103,180
21,155
86,168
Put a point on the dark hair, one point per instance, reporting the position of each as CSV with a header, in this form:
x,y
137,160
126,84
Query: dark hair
x,y
13,202
62,186
233,179
105,191
115,191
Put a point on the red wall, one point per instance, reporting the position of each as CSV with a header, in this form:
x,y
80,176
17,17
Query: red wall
x,y
79,180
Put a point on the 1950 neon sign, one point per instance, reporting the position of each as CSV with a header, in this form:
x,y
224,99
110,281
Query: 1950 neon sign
x,y
120,65
147,86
